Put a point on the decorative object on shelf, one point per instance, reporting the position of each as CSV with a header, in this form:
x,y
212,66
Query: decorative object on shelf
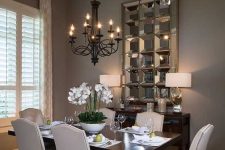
x,y
176,80
150,31
162,105
92,120
94,44
150,107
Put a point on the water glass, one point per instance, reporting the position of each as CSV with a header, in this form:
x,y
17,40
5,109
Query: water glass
x,y
121,118
76,114
150,125
114,126
69,120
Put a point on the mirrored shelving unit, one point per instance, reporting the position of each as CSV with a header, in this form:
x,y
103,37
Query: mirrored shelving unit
x,y
150,48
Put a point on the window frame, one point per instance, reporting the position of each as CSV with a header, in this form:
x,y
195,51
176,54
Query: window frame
x,y
20,10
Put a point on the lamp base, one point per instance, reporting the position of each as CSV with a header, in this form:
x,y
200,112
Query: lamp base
x,y
177,108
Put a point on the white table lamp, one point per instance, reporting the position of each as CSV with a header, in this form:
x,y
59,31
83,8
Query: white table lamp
x,y
176,81
110,80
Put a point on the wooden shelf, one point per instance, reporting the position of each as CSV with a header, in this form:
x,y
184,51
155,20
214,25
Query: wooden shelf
x,y
163,51
147,84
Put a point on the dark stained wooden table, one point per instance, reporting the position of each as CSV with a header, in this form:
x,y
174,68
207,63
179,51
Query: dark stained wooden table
x,y
126,138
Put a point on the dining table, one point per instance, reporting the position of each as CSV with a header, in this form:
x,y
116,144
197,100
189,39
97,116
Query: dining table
x,y
125,139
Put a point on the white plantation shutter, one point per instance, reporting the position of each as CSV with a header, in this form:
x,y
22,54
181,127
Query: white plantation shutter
x,y
20,58
30,62
7,63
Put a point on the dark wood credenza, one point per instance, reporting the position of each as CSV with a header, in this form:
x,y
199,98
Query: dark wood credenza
x,y
173,122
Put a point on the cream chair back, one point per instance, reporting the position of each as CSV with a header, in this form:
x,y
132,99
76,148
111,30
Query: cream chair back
x,y
28,135
69,138
202,137
34,115
109,114
143,118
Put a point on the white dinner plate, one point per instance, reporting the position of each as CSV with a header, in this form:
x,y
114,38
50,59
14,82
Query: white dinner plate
x,y
99,143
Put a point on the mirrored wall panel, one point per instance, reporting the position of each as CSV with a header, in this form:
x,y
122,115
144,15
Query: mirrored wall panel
x,y
150,30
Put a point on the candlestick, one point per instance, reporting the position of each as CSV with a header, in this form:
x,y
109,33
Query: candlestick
x,y
87,18
99,28
71,33
111,38
118,31
85,27
72,28
110,25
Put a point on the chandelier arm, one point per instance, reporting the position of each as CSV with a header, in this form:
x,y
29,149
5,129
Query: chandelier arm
x,y
113,49
104,50
82,50
94,44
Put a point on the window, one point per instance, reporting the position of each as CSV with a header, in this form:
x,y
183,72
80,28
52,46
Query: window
x,y
20,58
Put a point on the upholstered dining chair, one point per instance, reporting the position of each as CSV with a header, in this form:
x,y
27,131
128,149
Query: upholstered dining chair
x,y
202,137
69,138
143,118
109,114
28,135
32,114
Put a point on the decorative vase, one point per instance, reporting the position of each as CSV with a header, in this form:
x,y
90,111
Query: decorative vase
x,y
92,128
161,105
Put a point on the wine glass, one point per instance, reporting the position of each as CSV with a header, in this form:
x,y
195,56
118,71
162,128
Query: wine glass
x,y
69,120
114,126
150,125
76,114
121,118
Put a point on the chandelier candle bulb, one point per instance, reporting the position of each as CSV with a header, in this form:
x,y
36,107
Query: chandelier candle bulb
x,y
99,28
118,31
87,18
94,44
85,27
110,25
71,33
72,28
111,38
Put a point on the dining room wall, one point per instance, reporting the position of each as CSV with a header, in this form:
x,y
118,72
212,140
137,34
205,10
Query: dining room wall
x,y
59,57
201,52
32,3
80,68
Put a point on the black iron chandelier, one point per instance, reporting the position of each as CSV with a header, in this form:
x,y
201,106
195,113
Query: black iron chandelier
x,y
95,45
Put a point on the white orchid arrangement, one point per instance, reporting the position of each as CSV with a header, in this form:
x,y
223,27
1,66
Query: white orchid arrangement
x,y
92,98
85,95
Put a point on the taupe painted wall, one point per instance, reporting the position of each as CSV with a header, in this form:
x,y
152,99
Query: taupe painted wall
x,y
60,61
202,51
80,68
32,3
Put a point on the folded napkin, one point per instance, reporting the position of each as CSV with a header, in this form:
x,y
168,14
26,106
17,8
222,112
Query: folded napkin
x,y
146,140
140,129
135,130
48,127
103,144
46,132
55,123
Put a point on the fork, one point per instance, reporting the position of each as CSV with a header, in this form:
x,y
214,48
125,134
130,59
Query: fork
x,y
106,144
